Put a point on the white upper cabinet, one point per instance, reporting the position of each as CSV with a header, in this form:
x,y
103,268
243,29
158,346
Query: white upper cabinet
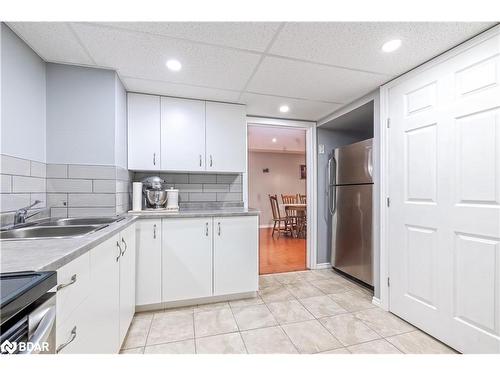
x,y
226,145
182,134
143,132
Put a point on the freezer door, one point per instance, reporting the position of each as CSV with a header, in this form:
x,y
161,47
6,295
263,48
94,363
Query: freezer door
x,y
354,163
352,232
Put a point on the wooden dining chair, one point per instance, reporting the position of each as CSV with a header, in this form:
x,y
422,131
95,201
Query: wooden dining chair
x,y
277,219
290,213
303,198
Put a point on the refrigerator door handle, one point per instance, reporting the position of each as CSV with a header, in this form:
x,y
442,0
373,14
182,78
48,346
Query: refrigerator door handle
x,y
332,192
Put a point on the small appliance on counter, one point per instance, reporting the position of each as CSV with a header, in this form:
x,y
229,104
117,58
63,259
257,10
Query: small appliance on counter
x,y
156,196
154,193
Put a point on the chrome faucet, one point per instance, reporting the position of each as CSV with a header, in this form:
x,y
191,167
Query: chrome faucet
x,y
22,214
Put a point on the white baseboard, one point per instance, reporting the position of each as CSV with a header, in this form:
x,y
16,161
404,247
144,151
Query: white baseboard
x,y
321,266
376,301
266,226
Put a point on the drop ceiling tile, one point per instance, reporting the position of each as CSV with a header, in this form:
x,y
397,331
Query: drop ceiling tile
x,y
179,90
53,41
246,35
358,44
265,105
296,79
144,56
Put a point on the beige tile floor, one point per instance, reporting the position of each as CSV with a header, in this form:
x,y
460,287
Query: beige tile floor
x,y
298,312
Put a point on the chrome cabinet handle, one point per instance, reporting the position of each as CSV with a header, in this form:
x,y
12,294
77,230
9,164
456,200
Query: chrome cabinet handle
x,y
123,252
119,251
200,160
154,231
72,281
71,339
211,161
218,230
154,158
206,229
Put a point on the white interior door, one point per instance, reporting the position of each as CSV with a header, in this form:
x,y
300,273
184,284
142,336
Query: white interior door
x,y
444,185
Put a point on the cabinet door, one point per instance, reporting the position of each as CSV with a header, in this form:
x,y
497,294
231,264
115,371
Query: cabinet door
x,y
236,249
143,132
226,139
182,135
127,279
148,266
187,258
105,296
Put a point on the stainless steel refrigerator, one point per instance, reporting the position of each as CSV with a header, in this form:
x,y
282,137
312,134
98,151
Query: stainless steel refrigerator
x,y
350,188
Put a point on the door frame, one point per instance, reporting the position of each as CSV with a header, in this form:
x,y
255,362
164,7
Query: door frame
x,y
312,177
384,152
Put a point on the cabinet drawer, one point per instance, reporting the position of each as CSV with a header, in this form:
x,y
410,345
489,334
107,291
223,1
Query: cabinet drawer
x,y
72,335
73,285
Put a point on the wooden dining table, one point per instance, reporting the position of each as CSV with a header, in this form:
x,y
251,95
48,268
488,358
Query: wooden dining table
x,y
301,222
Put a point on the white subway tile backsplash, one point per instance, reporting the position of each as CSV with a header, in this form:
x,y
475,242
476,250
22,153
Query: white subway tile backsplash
x,y
91,211
102,172
229,197
58,212
5,183
57,185
189,188
12,202
122,174
14,166
202,178
22,184
57,200
202,197
91,200
175,178
42,197
104,186
229,178
122,186
215,188
38,169
183,197
236,188
57,171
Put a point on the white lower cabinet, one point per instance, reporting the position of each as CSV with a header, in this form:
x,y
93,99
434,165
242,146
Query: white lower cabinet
x,y
187,258
98,323
148,262
127,279
204,257
236,243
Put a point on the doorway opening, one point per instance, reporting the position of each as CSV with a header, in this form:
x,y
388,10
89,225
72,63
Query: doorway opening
x,y
277,187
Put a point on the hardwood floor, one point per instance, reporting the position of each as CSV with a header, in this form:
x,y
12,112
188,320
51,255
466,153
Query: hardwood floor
x,y
285,254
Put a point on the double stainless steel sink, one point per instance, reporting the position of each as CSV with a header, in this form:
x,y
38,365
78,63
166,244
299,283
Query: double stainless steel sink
x,y
58,228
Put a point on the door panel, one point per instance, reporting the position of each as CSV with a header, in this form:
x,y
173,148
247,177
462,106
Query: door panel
x,y
127,279
352,231
182,134
444,182
236,252
187,258
226,137
148,280
143,132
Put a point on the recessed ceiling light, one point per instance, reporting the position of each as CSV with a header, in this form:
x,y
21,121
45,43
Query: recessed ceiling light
x,y
274,140
174,65
391,45
284,108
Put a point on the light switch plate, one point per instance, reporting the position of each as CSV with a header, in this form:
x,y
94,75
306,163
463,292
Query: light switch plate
x,y
321,149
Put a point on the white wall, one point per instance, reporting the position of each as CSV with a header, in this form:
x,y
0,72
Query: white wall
x,y
23,98
283,178
80,115
120,124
